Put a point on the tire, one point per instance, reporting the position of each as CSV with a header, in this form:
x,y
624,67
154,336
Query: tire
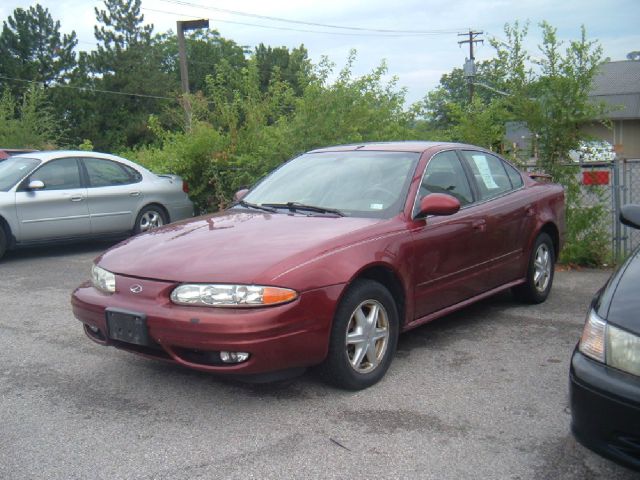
x,y
3,241
150,217
539,273
348,364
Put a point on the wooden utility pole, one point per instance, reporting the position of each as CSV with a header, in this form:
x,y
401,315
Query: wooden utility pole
x,y
183,26
471,65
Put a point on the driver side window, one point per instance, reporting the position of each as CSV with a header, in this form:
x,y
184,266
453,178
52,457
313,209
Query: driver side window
x,y
61,174
445,174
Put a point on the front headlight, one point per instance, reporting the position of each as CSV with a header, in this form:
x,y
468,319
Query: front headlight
x,y
103,280
623,350
610,345
221,295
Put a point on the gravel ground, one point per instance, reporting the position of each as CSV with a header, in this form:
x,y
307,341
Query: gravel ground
x,y
478,394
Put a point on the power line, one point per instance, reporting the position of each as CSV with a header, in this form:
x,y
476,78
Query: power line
x,y
312,24
290,29
89,89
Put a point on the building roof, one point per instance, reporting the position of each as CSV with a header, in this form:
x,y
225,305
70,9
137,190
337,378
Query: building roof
x,y
618,85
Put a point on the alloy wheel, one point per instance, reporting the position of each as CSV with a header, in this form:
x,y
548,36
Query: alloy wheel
x,y
542,268
150,220
367,336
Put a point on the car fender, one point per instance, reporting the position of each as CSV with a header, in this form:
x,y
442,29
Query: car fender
x,y
550,210
9,217
343,265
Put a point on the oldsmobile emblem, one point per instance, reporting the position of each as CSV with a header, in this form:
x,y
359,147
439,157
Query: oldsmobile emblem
x,y
135,288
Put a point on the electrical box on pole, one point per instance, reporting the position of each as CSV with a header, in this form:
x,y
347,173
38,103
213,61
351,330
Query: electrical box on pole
x,y
469,65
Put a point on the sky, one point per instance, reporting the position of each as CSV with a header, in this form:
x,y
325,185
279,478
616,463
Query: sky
x,y
417,61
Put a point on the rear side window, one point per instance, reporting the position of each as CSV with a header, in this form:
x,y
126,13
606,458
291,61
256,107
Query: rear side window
x,y
489,172
444,174
514,176
106,173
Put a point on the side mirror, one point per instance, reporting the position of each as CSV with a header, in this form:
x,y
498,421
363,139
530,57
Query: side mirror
x,y
35,185
438,204
239,195
630,215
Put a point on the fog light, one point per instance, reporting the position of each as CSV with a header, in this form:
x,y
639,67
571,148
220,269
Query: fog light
x,y
93,329
234,357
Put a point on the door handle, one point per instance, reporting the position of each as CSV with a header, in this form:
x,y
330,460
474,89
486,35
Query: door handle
x,y
134,194
479,225
77,198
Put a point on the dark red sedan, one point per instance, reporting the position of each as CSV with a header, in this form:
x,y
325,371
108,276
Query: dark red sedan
x,y
326,260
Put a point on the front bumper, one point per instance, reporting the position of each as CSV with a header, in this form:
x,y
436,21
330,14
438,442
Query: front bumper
x,y
605,410
281,337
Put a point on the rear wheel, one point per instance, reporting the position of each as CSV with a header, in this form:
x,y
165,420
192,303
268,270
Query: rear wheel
x,y
363,337
540,272
150,217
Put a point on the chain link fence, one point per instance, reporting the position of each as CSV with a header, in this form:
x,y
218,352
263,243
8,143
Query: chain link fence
x,y
627,191
610,185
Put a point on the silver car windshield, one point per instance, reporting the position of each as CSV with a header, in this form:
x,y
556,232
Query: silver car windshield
x,y
355,183
14,169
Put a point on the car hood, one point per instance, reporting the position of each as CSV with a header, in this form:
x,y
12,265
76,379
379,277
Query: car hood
x,y
623,295
232,247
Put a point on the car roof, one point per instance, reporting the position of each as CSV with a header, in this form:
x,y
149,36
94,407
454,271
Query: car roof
x,y
51,154
404,146
46,156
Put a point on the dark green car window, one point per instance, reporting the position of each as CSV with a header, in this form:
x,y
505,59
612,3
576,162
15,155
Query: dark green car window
x,y
104,173
60,174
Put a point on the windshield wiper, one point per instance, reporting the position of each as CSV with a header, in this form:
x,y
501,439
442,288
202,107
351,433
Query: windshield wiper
x,y
256,207
293,206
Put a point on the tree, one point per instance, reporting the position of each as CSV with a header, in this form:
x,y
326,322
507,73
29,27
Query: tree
x,y
454,89
206,49
32,49
293,66
28,123
635,55
125,61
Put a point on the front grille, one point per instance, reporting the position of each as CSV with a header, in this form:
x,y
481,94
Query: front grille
x,y
152,350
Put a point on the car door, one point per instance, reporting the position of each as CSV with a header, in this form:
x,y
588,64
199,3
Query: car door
x,y
509,210
114,194
59,210
449,251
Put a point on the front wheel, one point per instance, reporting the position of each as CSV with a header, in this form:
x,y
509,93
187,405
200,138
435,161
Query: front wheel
x,y
539,273
3,241
363,337
150,217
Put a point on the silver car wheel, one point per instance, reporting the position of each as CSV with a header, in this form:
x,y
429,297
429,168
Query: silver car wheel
x,y
150,220
367,336
542,268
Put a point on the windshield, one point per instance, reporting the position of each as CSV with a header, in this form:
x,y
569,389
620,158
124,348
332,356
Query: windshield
x,y
14,169
358,183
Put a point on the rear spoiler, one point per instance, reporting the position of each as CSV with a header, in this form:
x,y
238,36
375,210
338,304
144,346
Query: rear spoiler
x,y
173,178
541,177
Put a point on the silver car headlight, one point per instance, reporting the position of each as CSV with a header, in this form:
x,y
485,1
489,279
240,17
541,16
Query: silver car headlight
x,y
223,295
610,345
103,280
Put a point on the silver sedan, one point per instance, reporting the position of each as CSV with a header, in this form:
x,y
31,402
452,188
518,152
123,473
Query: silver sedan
x,y
60,195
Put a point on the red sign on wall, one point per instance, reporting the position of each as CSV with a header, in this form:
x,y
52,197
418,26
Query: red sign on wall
x,y
598,177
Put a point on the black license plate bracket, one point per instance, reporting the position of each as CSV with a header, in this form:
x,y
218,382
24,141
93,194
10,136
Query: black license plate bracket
x,y
126,326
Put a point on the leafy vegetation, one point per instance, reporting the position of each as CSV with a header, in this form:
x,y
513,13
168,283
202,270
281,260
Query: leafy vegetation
x,y
251,110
